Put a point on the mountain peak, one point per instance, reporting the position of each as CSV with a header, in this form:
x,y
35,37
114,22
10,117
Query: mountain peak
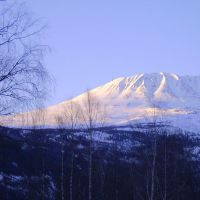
x,y
139,85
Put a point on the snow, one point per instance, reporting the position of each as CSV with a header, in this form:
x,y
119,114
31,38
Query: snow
x,y
15,178
1,177
176,98
80,146
97,136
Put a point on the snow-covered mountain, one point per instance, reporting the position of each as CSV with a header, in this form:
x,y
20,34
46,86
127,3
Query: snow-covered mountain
x,y
172,98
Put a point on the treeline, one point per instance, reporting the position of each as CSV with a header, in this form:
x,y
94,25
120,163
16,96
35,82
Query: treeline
x,y
155,166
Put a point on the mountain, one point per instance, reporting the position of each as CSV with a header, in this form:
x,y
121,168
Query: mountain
x,y
171,98
120,154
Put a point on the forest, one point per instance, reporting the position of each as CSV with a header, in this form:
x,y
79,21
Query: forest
x,y
55,164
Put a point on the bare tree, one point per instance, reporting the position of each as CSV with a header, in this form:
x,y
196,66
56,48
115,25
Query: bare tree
x,y
165,167
22,72
72,113
61,125
62,170
36,118
92,116
157,121
60,122
93,111
154,151
68,119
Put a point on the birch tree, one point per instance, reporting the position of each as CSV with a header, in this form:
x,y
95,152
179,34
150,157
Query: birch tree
x,y
68,119
92,116
23,76
71,118
61,126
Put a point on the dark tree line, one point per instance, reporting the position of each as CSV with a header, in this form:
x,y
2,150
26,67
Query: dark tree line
x,y
117,173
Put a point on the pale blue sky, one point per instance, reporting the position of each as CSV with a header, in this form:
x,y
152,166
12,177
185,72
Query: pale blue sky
x,y
95,41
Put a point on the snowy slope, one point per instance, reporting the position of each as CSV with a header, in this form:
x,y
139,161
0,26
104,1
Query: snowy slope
x,y
171,97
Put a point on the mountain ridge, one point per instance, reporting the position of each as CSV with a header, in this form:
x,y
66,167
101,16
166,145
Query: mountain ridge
x,y
133,98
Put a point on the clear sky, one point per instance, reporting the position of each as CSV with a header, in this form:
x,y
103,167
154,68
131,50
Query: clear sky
x,y
95,41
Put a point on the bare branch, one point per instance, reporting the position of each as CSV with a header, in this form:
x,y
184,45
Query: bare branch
x,y
23,76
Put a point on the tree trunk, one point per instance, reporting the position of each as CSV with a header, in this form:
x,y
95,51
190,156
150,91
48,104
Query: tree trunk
x,y
165,171
62,172
71,175
153,168
90,168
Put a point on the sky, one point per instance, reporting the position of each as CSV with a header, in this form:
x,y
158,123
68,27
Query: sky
x,y
94,41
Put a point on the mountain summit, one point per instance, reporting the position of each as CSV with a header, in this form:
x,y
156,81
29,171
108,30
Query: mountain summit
x,y
168,89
